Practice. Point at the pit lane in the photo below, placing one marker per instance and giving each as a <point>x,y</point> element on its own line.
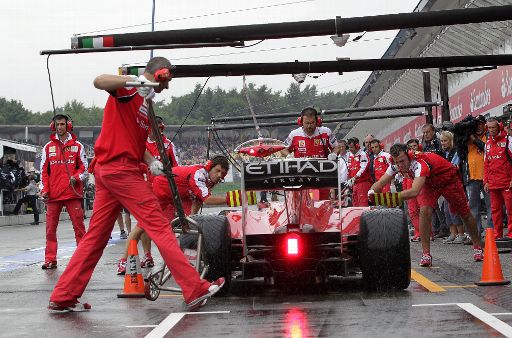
<point>252,308</point>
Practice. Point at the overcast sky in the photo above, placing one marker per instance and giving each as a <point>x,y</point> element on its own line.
<point>29,26</point>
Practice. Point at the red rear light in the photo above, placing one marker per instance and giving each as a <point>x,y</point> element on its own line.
<point>292,245</point>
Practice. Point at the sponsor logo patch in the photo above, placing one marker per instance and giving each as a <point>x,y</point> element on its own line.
<point>51,149</point>
<point>302,143</point>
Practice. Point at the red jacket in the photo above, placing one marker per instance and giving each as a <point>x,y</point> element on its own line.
<point>497,167</point>
<point>153,150</point>
<point>381,163</point>
<point>438,171</point>
<point>358,167</point>
<point>193,182</point>
<point>60,161</point>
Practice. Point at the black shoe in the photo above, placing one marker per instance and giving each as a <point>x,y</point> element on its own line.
<point>34,223</point>
<point>49,265</point>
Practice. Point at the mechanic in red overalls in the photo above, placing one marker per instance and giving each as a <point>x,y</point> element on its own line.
<point>358,173</point>
<point>498,175</point>
<point>312,140</point>
<point>119,182</point>
<point>381,162</point>
<point>433,176</point>
<point>194,185</point>
<point>63,170</point>
<point>137,233</point>
<point>413,208</point>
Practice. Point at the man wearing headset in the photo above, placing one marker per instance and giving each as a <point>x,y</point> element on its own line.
<point>433,176</point>
<point>119,150</point>
<point>63,171</point>
<point>311,139</point>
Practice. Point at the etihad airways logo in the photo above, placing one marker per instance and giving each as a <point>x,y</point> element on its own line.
<point>292,167</point>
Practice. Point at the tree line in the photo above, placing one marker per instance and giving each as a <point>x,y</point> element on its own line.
<point>212,102</point>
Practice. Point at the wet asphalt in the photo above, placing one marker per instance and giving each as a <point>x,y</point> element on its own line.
<point>443,301</point>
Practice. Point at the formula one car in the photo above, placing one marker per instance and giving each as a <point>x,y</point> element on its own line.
<point>302,238</point>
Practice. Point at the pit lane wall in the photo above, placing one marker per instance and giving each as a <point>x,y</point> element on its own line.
<point>485,95</point>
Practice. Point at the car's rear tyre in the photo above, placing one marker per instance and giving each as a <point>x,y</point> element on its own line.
<point>385,251</point>
<point>216,247</point>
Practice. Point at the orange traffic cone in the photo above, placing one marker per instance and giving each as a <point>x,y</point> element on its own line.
<point>133,281</point>
<point>491,270</point>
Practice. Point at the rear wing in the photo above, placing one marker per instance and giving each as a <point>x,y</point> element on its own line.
<point>296,173</point>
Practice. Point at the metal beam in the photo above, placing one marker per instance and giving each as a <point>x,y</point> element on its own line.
<point>144,47</point>
<point>342,119</point>
<point>328,112</point>
<point>340,66</point>
<point>301,28</point>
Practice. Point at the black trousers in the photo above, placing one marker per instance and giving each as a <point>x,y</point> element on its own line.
<point>32,201</point>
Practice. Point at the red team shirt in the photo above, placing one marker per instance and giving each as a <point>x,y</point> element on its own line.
<point>153,150</point>
<point>441,179</point>
<point>125,126</point>
<point>193,183</point>
<point>60,160</point>
<point>381,162</point>
<point>320,144</point>
<point>169,146</point>
<point>358,166</point>
<point>438,171</point>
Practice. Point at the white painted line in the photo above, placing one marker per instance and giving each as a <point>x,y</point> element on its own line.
<point>488,319</point>
<point>502,314</point>
<point>135,326</point>
<point>168,323</point>
<point>442,304</point>
<point>205,313</point>
<point>480,314</point>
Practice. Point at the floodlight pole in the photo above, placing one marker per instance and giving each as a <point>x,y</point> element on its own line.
<point>427,95</point>
<point>152,26</point>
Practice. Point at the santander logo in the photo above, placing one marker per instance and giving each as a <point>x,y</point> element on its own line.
<point>456,111</point>
<point>506,83</point>
<point>480,99</point>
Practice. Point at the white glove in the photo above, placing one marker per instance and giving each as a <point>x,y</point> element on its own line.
<point>371,192</point>
<point>351,181</point>
<point>146,92</point>
<point>332,157</point>
<point>156,168</point>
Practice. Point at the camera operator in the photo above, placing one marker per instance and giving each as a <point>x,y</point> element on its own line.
<point>470,142</point>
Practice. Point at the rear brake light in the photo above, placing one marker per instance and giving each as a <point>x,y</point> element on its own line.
<point>292,245</point>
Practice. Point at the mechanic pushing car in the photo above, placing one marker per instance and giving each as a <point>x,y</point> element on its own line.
<point>312,140</point>
<point>433,176</point>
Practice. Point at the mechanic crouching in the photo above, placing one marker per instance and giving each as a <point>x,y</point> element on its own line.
<point>433,176</point>
<point>498,174</point>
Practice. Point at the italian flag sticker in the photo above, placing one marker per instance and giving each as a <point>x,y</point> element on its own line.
<point>100,42</point>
